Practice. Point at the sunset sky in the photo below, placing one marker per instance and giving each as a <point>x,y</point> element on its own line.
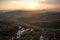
<point>29,4</point>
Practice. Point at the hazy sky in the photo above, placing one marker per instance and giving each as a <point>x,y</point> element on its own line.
<point>29,4</point>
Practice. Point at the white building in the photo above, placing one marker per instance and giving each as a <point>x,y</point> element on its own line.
<point>41,37</point>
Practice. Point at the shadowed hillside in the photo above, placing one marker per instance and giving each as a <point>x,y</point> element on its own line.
<point>47,19</point>
<point>44,19</point>
<point>46,23</point>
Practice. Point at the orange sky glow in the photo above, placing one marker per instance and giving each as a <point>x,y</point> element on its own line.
<point>26,5</point>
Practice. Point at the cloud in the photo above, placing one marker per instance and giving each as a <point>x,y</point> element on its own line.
<point>47,1</point>
<point>54,1</point>
<point>20,3</point>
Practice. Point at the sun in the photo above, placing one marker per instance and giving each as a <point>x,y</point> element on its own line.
<point>31,5</point>
<point>43,0</point>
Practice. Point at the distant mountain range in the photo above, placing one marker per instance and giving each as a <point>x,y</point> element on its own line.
<point>45,19</point>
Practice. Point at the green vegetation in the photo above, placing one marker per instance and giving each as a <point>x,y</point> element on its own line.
<point>46,32</point>
<point>47,24</point>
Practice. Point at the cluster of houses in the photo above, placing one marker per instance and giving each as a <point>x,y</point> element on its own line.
<point>17,35</point>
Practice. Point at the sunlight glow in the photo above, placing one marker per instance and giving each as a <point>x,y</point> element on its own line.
<point>43,0</point>
<point>32,5</point>
<point>27,5</point>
